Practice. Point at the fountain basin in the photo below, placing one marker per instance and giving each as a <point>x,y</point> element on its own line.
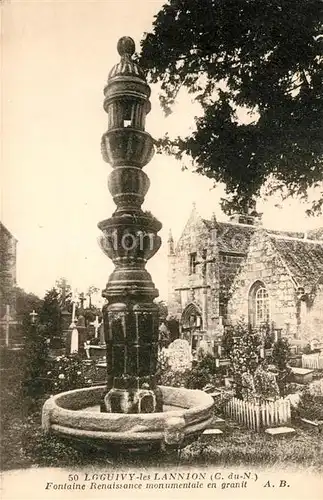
<point>75,414</point>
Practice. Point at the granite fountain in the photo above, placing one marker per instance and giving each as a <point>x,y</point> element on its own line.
<point>131,410</point>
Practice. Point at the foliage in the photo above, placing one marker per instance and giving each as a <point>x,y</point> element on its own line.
<point>310,406</point>
<point>173,327</point>
<point>64,291</point>
<point>252,59</point>
<point>90,314</point>
<point>202,373</point>
<point>90,292</point>
<point>242,348</point>
<point>266,386</point>
<point>308,350</point>
<point>50,315</point>
<point>265,331</point>
<point>66,373</point>
<point>281,353</point>
<point>26,303</point>
<point>162,310</point>
<point>36,360</point>
<point>163,336</point>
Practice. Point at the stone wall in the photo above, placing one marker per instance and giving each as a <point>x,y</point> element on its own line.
<point>263,264</point>
<point>8,250</point>
<point>201,287</point>
<point>311,321</point>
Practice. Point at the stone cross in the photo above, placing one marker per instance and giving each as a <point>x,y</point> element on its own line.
<point>96,325</point>
<point>7,321</point>
<point>33,316</point>
<point>63,285</point>
<point>179,355</point>
<point>82,299</point>
<point>74,301</point>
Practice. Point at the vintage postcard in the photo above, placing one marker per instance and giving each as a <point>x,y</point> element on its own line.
<point>161,235</point>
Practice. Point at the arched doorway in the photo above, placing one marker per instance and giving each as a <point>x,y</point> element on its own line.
<point>192,325</point>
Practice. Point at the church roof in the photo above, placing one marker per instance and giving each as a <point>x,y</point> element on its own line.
<point>6,230</point>
<point>303,258</point>
<point>301,252</point>
<point>232,237</point>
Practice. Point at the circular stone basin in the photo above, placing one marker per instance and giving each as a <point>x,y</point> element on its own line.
<point>76,414</point>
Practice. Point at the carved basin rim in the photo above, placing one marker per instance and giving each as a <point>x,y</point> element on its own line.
<point>69,413</point>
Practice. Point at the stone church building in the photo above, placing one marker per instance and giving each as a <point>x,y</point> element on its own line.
<point>8,269</point>
<point>220,272</point>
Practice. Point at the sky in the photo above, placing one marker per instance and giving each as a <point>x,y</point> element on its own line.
<point>56,56</point>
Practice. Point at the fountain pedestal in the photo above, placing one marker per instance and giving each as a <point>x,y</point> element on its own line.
<point>134,410</point>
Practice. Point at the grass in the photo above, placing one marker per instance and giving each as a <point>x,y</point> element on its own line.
<point>24,445</point>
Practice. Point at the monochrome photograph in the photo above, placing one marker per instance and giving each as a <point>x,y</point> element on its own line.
<point>161,236</point>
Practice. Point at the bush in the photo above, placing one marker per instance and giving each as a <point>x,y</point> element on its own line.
<point>265,384</point>
<point>242,346</point>
<point>281,353</point>
<point>310,406</point>
<point>66,373</point>
<point>203,372</point>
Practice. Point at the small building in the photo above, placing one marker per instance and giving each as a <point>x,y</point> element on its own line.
<point>8,282</point>
<point>8,269</point>
<point>220,272</point>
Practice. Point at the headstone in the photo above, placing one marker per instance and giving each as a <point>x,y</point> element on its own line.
<point>204,347</point>
<point>217,423</point>
<point>302,375</point>
<point>210,434</point>
<point>314,343</point>
<point>81,321</point>
<point>74,341</point>
<point>179,355</point>
<point>101,334</point>
<point>280,432</point>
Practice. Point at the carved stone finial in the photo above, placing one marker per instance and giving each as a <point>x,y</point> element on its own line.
<point>126,46</point>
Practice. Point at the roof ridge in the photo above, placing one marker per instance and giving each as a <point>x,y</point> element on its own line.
<point>293,238</point>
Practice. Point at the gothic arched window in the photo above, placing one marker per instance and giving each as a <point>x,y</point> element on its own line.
<point>259,308</point>
<point>262,306</point>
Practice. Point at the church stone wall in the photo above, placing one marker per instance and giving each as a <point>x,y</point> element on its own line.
<point>311,321</point>
<point>201,287</point>
<point>264,264</point>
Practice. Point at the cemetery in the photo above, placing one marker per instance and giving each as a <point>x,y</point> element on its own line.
<point>94,387</point>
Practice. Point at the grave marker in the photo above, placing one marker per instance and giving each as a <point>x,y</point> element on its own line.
<point>179,355</point>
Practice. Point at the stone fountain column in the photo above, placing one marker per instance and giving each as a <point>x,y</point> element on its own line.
<point>129,238</point>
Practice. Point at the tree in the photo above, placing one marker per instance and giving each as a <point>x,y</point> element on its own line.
<point>260,57</point>
<point>50,315</point>
<point>36,356</point>
<point>64,294</point>
<point>162,310</point>
<point>91,291</point>
<point>26,303</point>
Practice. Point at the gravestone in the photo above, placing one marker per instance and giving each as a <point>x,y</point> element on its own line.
<point>210,435</point>
<point>302,375</point>
<point>277,432</point>
<point>204,347</point>
<point>74,341</point>
<point>314,344</point>
<point>179,355</point>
